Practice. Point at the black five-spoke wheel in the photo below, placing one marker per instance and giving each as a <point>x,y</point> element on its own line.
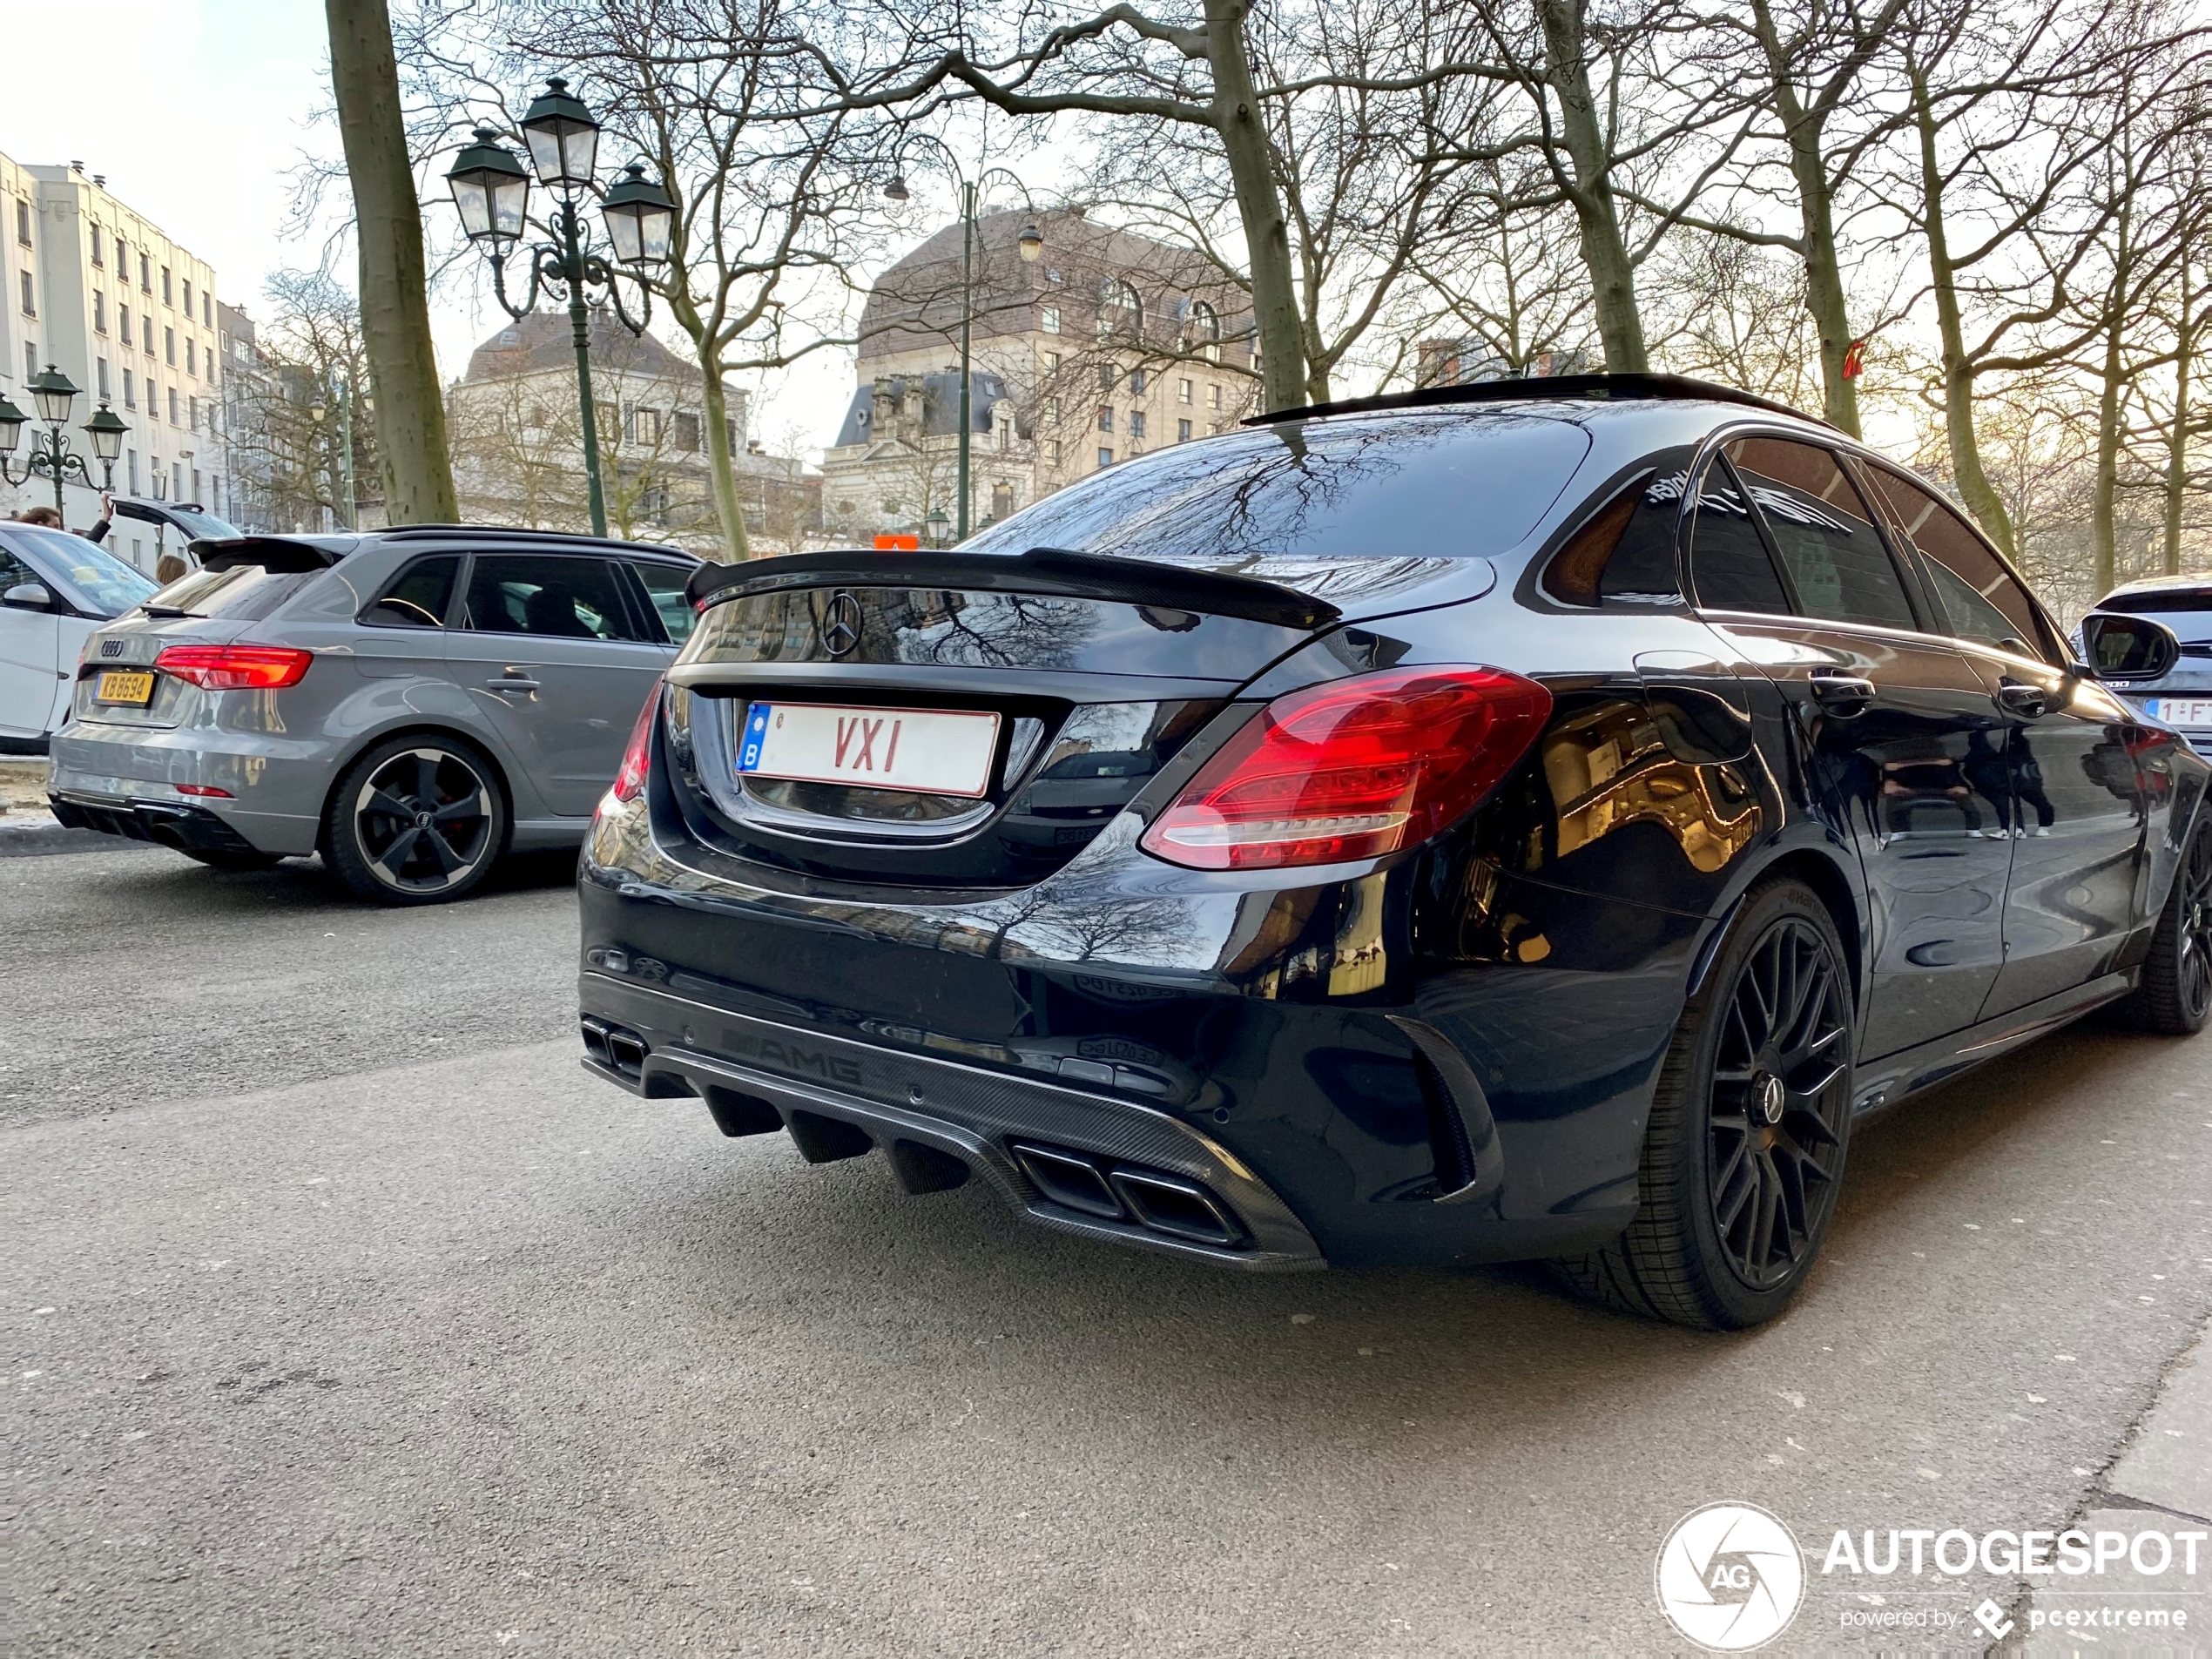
<point>2174,995</point>
<point>414,822</point>
<point>1775,1144</point>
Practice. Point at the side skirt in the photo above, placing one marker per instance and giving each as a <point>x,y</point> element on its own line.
<point>1889,1081</point>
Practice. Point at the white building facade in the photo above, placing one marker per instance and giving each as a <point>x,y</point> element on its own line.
<point>93,288</point>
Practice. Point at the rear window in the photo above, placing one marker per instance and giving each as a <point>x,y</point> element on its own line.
<point>1448,484</point>
<point>2166,603</point>
<point>244,591</point>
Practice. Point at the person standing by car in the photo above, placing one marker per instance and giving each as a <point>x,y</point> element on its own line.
<point>49,518</point>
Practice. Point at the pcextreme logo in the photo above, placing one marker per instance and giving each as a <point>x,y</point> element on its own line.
<point>1729,1577</point>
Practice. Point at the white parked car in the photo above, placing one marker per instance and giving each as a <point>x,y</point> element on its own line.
<point>55,589</point>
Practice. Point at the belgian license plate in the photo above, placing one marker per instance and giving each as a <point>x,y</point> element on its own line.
<point>2185,711</point>
<point>131,686</point>
<point>929,752</point>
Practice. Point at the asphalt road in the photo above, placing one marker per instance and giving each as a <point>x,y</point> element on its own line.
<point>326,1336</point>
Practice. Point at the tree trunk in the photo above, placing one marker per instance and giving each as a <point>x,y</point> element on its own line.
<point>1824,298</point>
<point>1605,254</point>
<point>1974,488</point>
<point>2177,440</point>
<point>1259,206</point>
<point>2103,508</point>
<point>714,414</point>
<point>416,463</point>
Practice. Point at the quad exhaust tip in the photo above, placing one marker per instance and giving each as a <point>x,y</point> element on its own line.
<point>1152,1199</point>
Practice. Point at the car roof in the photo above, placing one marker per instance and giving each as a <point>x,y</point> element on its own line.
<point>2200,583</point>
<point>496,535</point>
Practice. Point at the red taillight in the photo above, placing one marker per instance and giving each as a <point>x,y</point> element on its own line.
<point>637,760</point>
<point>236,668</point>
<point>1352,770</point>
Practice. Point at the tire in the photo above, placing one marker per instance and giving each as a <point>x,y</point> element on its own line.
<point>416,820</point>
<point>1749,1127</point>
<point>2174,993</point>
<point>228,859</point>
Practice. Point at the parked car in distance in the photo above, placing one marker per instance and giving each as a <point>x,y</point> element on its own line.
<point>410,703</point>
<point>56,589</point>
<point>2182,696</point>
<point>1525,821</point>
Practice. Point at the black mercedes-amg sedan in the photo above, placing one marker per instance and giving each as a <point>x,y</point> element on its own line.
<point>1532,820</point>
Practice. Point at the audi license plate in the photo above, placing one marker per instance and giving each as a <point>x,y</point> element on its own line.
<point>930,752</point>
<point>133,687</point>
<point>2184,710</point>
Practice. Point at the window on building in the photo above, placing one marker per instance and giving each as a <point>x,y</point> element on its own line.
<point>1109,376</point>
<point>1137,423</point>
<point>169,346</point>
<point>99,245</point>
<point>129,390</point>
<point>146,332</point>
<point>1052,452</point>
<point>99,377</point>
<point>131,457</point>
<point>176,408</point>
<point>1052,410</point>
<point>1121,314</point>
<point>1105,418</point>
<point>188,296</point>
<point>730,434</point>
<point>642,425</point>
<point>145,274</point>
<point>29,299</point>
<point>1202,332</point>
<point>1136,382</point>
<point>1049,320</point>
<point>1002,500</point>
<point>22,223</point>
<point>168,289</point>
<point>1052,362</point>
<point>192,357</point>
<point>686,434</point>
<point>192,406</point>
<point>1105,456</point>
<point>207,309</point>
<point>100,312</point>
<point>1213,397</point>
<point>123,258</point>
<point>1183,392</point>
<point>30,358</point>
<point>1183,431</point>
<point>123,324</point>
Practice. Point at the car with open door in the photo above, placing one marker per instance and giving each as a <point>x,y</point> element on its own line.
<point>1526,820</point>
<point>410,704</point>
<point>56,589</point>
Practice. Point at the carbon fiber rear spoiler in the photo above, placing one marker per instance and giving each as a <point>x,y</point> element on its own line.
<point>280,553</point>
<point>1041,570</point>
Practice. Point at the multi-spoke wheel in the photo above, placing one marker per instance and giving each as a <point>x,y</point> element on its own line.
<point>2175,992</point>
<point>415,821</point>
<point>1744,1152</point>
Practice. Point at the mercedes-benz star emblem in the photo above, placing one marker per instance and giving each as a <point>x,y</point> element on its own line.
<point>840,625</point>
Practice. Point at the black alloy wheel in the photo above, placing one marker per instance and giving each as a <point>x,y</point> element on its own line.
<point>1775,1132</point>
<point>2174,994</point>
<point>1750,1125</point>
<point>415,821</point>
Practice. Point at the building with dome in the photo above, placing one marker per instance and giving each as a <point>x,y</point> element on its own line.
<point>1109,345</point>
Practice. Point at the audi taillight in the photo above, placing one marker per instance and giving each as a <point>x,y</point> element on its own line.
<point>637,760</point>
<point>236,668</point>
<point>1352,770</point>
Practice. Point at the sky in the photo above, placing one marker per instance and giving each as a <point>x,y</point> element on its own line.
<point>222,105</point>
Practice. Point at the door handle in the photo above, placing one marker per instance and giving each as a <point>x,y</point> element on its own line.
<point>513,683</point>
<point>2029,702</point>
<point>1844,694</point>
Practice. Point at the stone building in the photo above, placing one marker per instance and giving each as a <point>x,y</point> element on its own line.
<point>1109,345</point>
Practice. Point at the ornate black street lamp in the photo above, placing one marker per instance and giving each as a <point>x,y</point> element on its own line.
<point>492,191</point>
<point>1029,245</point>
<point>51,395</point>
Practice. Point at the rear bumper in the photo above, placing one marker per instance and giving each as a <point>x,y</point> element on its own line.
<point>275,786</point>
<point>1068,1160</point>
<point>188,829</point>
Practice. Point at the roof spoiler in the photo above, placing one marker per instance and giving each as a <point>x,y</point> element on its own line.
<point>278,553</point>
<point>1543,388</point>
<point>1041,570</point>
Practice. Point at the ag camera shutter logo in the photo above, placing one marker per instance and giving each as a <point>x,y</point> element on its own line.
<point>1729,1577</point>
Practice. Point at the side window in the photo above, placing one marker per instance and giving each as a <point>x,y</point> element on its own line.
<point>1824,532</point>
<point>1980,600</point>
<point>1728,566</point>
<point>14,572</point>
<point>419,598</point>
<point>665,587</point>
<point>548,594</point>
<point>1623,554</point>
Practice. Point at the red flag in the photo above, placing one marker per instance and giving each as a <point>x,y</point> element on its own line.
<point>1854,360</point>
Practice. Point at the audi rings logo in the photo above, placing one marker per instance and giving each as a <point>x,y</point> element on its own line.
<point>840,623</point>
<point>1729,1577</point>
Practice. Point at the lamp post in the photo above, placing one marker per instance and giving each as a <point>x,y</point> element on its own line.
<point>492,192</point>
<point>936,523</point>
<point>342,389</point>
<point>51,394</point>
<point>1029,245</point>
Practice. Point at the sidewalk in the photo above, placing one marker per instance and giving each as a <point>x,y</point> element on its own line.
<point>2161,1481</point>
